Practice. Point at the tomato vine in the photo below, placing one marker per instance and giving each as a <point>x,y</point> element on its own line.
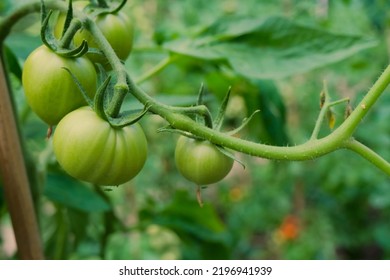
<point>340,138</point>
<point>182,118</point>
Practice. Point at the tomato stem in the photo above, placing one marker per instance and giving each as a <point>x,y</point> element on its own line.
<point>120,88</point>
<point>156,69</point>
<point>67,39</point>
<point>325,105</point>
<point>368,154</point>
<point>199,196</point>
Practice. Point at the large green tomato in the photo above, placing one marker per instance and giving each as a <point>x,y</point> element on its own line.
<point>200,161</point>
<point>117,28</point>
<point>50,90</point>
<point>91,150</point>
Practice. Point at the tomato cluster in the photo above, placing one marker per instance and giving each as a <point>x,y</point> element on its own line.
<point>87,146</point>
<point>117,28</point>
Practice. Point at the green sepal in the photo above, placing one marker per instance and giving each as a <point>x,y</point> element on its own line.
<point>102,4</point>
<point>95,51</point>
<point>69,17</point>
<point>221,112</point>
<point>115,10</point>
<point>102,8</point>
<point>80,87</point>
<point>47,34</point>
<point>119,7</point>
<point>244,123</point>
<point>170,129</point>
<point>50,41</point>
<point>230,155</point>
<point>102,74</point>
<point>98,102</point>
<point>199,100</point>
<point>129,118</point>
<point>76,52</point>
<point>43,11</point>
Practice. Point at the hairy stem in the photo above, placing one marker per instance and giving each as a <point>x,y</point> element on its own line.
<point>66,40</point>
<point>311,149</point>
<point>368,154</point>
<point>8,22</point>
<point>120,88</point>
<point>322,114</point>
<point>156,69</point>
<point>349,126</point>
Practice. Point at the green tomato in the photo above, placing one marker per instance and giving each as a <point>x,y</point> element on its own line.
<point>50,90</point>
<point>90,149</point>
<point>200,161</point>
<point>117,28</point>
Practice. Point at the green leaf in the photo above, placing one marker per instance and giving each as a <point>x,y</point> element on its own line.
<point>268,48</point>
<point>22,44</point>
<point>272,116</point>
<point>12,62</point>
<point>5,5</point>
<point>192,219</point>
<point>194,225</point>
<point>221,112</point>
<point>78,221</point>
<point>69,192</point>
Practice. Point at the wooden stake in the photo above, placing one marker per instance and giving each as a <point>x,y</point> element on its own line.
<point>15,182</point>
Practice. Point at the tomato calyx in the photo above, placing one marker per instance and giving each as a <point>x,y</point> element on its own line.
<point>62,46</point>
<point>104,8</point>
<point>125,118</point>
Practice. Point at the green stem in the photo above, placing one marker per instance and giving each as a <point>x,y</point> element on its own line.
<point>350,124</point>
<point>368,154</point>
<point>102,4</point>
<point>120,88</point>
<point>199,110</point>
<point>156,69</point>
<point>66,40</point>
<point>327,105</point>
<point>8,22</point>
<point>311,149</point>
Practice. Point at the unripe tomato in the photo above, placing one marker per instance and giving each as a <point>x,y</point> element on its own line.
<point>50,90</point>
<point>90,149</point>
<point>117,28</point>
<point>200,161</point>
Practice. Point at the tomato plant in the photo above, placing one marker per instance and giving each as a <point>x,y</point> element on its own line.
<point>50,91</point>
<point>116,27</point>
<point>250,52</point>
<point>200,161</point>
<point>89,149</point>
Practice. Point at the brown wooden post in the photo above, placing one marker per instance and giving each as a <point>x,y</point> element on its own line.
<point>15,181</point>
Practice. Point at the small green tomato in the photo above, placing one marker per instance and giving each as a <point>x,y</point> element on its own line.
<point>200,161</point>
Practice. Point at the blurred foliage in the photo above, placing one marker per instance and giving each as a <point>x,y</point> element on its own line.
<point>335,207</point>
